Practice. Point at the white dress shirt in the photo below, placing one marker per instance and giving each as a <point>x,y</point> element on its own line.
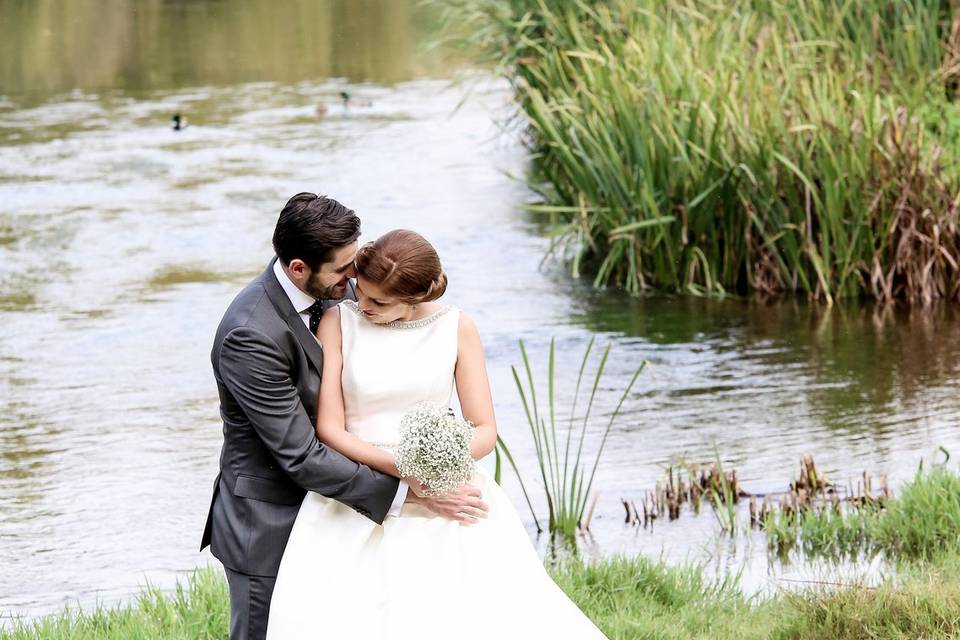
<point>301,302</point>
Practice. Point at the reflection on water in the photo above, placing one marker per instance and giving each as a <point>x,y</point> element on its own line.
<point>49,46</point>
<point>122,242</point>
<point>856,357</point>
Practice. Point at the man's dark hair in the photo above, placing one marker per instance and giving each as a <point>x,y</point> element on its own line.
<point>311,227</point>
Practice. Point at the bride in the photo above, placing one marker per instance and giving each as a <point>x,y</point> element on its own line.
<point>418,576</point>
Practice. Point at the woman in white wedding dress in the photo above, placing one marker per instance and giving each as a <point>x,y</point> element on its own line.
<point>419,576</point>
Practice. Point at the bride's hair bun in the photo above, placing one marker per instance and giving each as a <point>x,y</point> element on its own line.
<point>436,288</point>
<point>404,265</point>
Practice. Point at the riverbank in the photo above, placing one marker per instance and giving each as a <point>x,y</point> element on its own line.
<point>639,598</point>
<point>636,597</point>
<point>755,147</point>
<point>629,598</point>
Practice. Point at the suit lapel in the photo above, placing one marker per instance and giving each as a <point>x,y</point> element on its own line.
<point>282,303</point>
<point>351,291</point>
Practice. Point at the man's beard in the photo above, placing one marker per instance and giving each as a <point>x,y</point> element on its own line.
<point>320,291</point>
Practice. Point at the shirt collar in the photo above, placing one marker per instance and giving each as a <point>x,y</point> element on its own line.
<point>300,300</point>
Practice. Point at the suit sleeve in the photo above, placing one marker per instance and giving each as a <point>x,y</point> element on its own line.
<point>256,372</point>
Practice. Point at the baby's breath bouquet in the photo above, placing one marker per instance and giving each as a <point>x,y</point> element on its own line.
<point>435,448</point>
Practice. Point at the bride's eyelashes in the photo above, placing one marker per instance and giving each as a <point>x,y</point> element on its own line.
<point>375,302</point>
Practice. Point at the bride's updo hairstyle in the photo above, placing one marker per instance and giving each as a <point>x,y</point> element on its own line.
<point>404,265</point>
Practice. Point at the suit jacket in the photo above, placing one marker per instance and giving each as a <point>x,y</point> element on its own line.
<point>267,366</point>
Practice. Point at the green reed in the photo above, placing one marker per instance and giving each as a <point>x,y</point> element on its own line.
<point>922,523</point>
<point>819,532</point>
<point>723,498</point>
<point>710,147</point>
<point>566,473</point>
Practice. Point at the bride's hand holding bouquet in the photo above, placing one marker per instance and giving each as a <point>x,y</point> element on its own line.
<point>435,460</point>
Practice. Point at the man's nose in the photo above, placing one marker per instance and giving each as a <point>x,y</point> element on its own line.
<point>351,272</point>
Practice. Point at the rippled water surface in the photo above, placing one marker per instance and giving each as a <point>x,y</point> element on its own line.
<point>122,242</point>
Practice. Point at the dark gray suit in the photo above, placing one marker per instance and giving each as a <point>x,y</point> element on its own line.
<point>267,366</point>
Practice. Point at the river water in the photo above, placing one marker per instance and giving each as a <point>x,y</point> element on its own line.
<point>122,242</point>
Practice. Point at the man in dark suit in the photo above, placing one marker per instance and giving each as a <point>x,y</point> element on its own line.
<point>267,364</point>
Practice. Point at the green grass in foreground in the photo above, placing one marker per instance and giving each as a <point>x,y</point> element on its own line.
<point>196,610</point>
<point>630,599</point>
<point>640,599</point>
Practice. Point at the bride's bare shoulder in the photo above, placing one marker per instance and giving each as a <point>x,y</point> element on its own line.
<point>329,330</point>
<point>468,333</point>
<point>331,315</point>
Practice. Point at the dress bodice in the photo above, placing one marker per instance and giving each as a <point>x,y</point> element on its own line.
<point>388,369</point>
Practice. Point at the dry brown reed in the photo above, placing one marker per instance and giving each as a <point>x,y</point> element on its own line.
<point>812,491</point>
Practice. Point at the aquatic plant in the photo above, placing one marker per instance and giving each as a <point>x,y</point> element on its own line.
<point>922,523</point>
<point>724,496</point>
<point>818,516</point>
<point>765,146</point>
<point>721,488</point>
<point>566,475</point>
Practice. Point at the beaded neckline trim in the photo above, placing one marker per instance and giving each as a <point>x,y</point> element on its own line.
<point>399,324</point>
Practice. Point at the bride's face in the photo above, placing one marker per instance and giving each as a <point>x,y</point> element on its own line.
<point>378,307</point>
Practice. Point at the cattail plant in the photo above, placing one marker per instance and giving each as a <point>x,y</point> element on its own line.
<point>762,146</point>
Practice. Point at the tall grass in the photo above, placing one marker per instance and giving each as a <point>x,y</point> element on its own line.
<point>633,599</point>
<point>567,477</point>
<point>922,603</point>
<point>197,609</point>
<point>763,145</point>
<point>923,523</point>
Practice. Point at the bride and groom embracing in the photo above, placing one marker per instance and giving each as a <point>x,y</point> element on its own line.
<point>316,362</point>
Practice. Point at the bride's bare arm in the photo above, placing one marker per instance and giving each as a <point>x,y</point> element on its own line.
<point>473,389</point>
<point>330,419</point>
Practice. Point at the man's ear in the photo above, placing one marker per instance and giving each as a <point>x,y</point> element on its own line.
<point>298,270</point>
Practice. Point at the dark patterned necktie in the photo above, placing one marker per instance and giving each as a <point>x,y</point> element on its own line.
<point>315,310</point>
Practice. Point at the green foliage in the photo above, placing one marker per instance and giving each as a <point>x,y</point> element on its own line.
<point>636,598</point>
<point>923,523</point>
<point>197,610</point>
<point>640,598</point>
<point>628,598</point>
<point>820,532</point>
<point>567,480</point>
<point>764,145</point>
<point>925,605</point>
<point>723,499</point>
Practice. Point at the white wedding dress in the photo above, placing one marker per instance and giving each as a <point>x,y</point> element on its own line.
<point>419,576</point>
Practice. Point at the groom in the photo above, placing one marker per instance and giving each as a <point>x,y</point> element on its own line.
<point>267,365</point>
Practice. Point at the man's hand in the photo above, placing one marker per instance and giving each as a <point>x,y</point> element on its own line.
<point>465,505</point>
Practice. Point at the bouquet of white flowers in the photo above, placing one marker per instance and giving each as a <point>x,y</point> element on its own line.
<point>435,448</point>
